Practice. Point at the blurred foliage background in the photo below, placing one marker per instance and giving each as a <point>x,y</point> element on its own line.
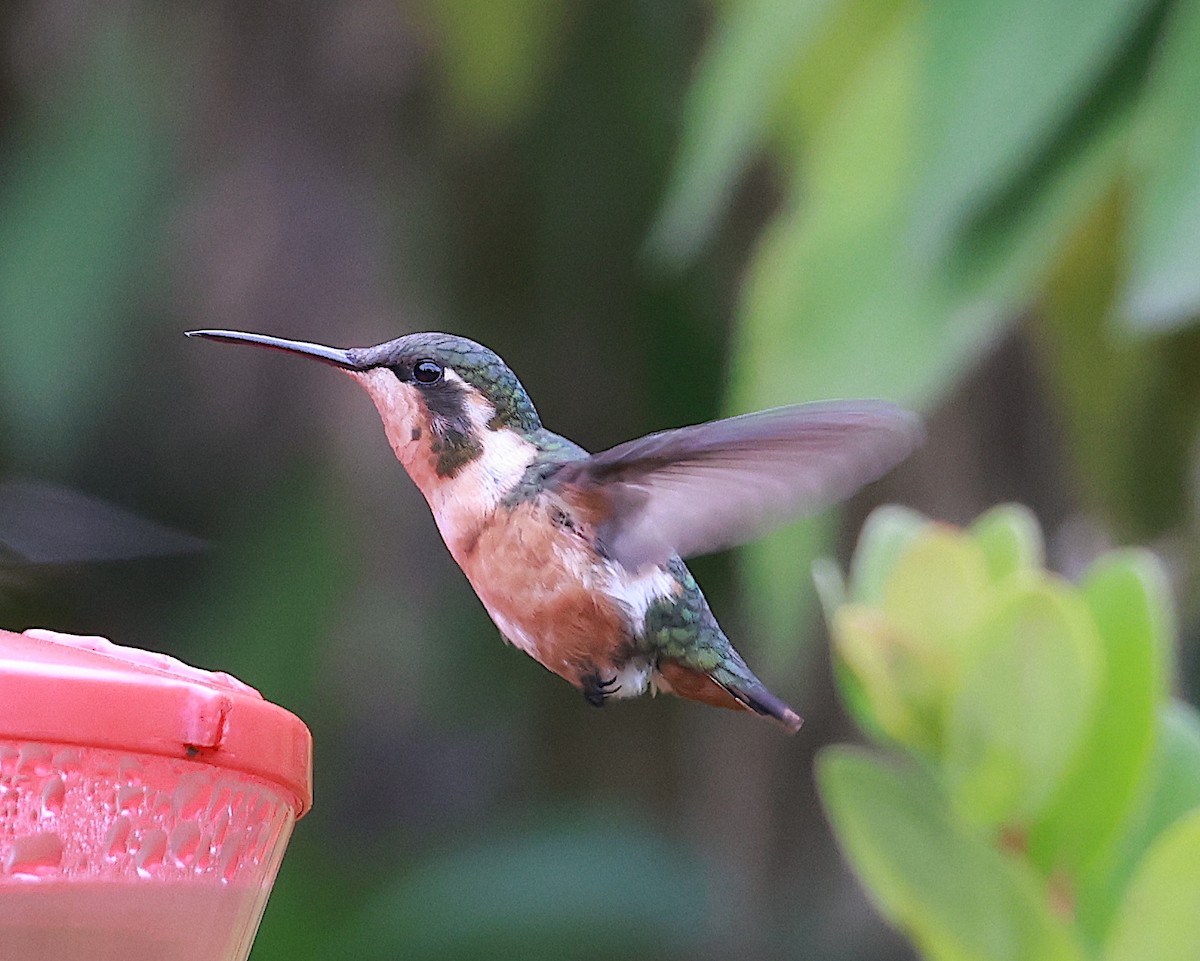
<point>657,212</point>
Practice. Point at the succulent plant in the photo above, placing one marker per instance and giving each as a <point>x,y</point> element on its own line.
<point>1034,792</point>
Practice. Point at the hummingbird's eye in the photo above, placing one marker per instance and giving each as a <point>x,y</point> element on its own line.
<point>427,372</point>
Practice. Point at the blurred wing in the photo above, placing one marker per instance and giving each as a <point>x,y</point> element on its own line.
<point>42,523</point>
<point>705,488</point>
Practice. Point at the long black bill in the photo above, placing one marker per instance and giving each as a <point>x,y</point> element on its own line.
<point>329,355</point>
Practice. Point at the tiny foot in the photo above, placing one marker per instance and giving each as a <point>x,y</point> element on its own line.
<point>596,690</point>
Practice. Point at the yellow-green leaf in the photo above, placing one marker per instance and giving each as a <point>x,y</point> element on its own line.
<point>1024,704</point>
<point>1011,540</point>
<point>1159,919</point>
<point>1129,600</point>
<point>1162,289</point>
<point>884,537</point>
<point>947,888</point>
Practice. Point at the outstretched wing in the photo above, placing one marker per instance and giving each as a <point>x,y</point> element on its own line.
<point>704,488</point>
<point>44,523</point>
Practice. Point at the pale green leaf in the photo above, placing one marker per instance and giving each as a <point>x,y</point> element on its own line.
<point>900,661</point>
<point>887,679</point>
<point>1011,540</point>
<point>885,535</point>
<point>936,594</point>
<point>1024,704</point>
<point>1159,919</point>
<point>948,889</point>
<point>1162,287</point>
<point>1176,780</point>
<point>1170,790</point>
<point>1129,600</point>
<point>1002,82</point>
<point>738,81</point>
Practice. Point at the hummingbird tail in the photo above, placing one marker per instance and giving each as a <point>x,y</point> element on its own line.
<point>736,694</point>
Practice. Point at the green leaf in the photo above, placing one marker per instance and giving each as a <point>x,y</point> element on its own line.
<point>1011,540</point>
<point>1082,164</point>
<point>1159,919</point>
<point>951,892</point>
<point>1170,790</point>
<point>894,686</point>
<point>1162,286</point>
<point>900,662</point>
<point>740,78</point>
<point>1103,381</point>
<point>861,670</point>
<point>827,269</point>
<point>587,890</point>
<point>1002,83</point>
<point>1024,703</point>
<point>1176,782</point>
<point>834,54</point>
<point>1129,599</point>
<point>862,680</point>
<point>830,584</point>
<point>885,535</point>
<point>935,595</point>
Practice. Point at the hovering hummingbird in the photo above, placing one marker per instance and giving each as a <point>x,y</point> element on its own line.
<point>577,557</point>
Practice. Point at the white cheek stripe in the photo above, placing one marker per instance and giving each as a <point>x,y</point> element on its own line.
<point>458,503</point>
<point>461,502</point>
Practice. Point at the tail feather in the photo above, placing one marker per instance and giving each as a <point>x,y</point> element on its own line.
<point>728,692</point>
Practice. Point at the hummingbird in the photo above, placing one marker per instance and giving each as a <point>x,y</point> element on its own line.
<point>578,557</point>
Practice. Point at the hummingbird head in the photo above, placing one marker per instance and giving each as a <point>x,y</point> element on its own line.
<point>453,378</point>
<point>444,400</point>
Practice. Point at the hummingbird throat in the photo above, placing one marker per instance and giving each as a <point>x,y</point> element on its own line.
<point>429,432</point>
<point>451,445</point>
